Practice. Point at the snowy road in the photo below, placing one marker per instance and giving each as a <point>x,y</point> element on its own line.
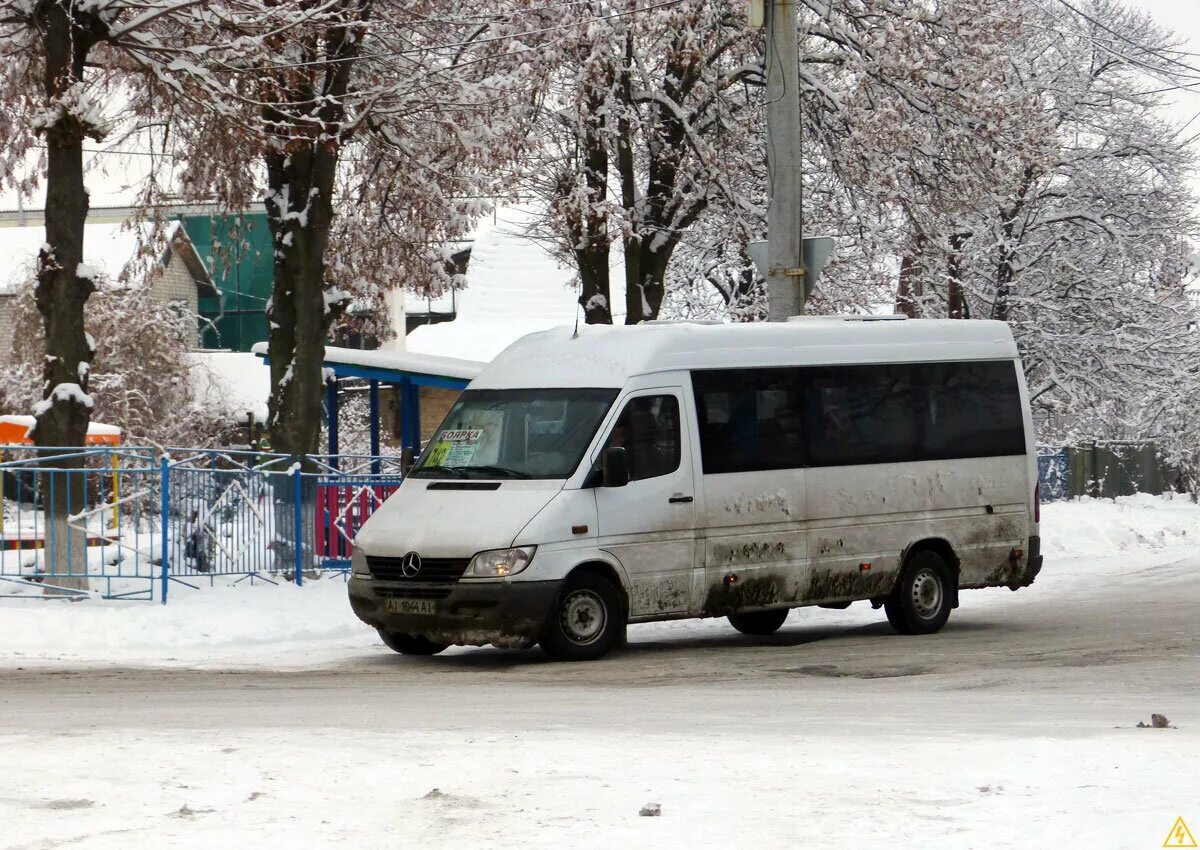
<point>1012,728</point>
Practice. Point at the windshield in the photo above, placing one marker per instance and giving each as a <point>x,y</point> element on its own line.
<point>515,434</point>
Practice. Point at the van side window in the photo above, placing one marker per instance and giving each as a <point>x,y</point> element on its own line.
<point>971,409</point>
<point>862,414</point>
<point>750,419</point>
<point>788,417</point>
<point>896,413</point>
<point>648,428</point>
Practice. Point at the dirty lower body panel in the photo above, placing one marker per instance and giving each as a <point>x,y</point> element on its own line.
<point>1014,571</point>
<point>469,614</point>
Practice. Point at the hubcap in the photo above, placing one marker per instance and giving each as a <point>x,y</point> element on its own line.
<point>583,616</point>
<point>927,594</point>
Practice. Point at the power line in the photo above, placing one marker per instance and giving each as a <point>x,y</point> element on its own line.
<point>1151,50</point>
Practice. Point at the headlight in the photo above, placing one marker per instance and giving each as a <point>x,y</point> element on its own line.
<point>358,564</point>
<point>500,562</point>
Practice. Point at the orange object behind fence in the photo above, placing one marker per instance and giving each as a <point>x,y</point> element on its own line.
<point>15,430</point>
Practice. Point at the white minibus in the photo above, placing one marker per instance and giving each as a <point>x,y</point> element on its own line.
<point>602,476</point>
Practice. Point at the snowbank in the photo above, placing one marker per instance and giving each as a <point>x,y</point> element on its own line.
<point>237,625</point>
<point>223,625</point>
<point>1101,527</point>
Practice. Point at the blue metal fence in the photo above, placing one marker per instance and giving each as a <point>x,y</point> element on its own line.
<point>123,523</point>
<point>76,521</point>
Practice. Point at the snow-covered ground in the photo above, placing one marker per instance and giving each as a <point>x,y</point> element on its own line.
<point>266,717</point>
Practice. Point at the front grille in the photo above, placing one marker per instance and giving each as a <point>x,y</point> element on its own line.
<point>435,571</point>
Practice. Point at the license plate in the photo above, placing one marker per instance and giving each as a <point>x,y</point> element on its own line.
<point>410,606</point>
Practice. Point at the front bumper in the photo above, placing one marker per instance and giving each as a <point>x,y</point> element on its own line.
<point>475,613</point>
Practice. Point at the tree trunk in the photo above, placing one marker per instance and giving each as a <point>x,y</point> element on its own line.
<point>298,316</point>
<point>307,128</point>
<point>61,292</point>
<point>591,245</point>
<point>662,216</point>
<point>911,286</point>
<point>300,214</point>
<point>1004,281</point>
<point>646,285</point>
<point>956,295</point>
<point>1006,260</point>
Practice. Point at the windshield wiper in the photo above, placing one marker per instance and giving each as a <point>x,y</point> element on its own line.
<point>457,470</point>
<point>499,471</point>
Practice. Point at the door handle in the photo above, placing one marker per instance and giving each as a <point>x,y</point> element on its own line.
<point>680,499</point>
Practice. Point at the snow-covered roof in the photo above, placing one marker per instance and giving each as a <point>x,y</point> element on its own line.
<point>232,383</point>
<point>607,355</point>
<point>407,362</point>
<point>402,361</point>
<point>107,246</point>
<point>513,288</point>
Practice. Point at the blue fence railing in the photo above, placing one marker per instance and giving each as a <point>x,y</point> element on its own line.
<point>127,524</point>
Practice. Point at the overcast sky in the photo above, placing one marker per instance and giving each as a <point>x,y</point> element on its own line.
<point>1183,16</point>
<point>109,186</point>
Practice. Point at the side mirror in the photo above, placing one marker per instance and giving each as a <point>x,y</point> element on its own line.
<point>614,466</point>
<point>407,460</point>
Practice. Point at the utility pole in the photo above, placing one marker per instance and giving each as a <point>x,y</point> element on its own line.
<point>785,270</point>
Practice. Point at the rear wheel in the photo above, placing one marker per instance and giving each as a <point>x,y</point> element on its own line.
<point>759,622</point>
<point>587,620</point>
<point>410,644</point>
<point>921,601</point>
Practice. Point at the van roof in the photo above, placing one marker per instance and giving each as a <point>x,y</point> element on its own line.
<point>607,356</point>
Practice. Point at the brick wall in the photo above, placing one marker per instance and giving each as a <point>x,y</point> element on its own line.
<point>8,303</point>
<point>175,284</point>
<point>435,404</point>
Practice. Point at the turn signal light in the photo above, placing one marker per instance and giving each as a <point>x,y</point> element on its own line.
<point>864,566</point>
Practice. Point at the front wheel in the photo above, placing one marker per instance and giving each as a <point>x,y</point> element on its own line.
<point>410,644</point>
<point>759,622</point>
<point>920,603</point>
<point>587,619</point>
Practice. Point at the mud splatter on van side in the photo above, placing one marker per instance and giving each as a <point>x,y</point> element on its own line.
<point>758,592</point>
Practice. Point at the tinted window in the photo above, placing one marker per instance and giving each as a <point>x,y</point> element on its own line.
<point>970,409</point>
<point>861,414</point>
<point>648,428</point>
<point>752,419</point>
<point>911,412</point>
<point>749,419</point>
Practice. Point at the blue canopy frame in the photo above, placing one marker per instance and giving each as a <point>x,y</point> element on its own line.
<point>408,382</point>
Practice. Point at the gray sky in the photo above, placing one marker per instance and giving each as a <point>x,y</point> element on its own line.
<point>1182,16</point>
<point>109,185</point>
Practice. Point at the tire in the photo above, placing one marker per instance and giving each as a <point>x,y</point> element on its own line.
<point>921,601</point>
<point>410,644</point>
<point>759,622</point>
<point>587,620</point>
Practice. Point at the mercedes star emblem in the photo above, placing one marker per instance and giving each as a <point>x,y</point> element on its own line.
<point>411,565</point>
